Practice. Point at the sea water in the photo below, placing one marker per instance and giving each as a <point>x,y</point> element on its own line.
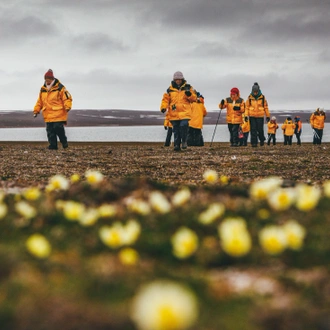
<point>219,133</point>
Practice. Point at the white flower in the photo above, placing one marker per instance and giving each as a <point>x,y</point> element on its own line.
<point>261,189</point>
<point>138,206</point>
<point>164,305</point>
<point>132,231</point>
<point>213,212</point>
<point>107,210</point>
<point>281,198</point>
<point>181,197</point>
<point>295,234</point>
<point>307,197</point>
<point>25,210</point>
<point>72,210</point>
<point>210,176</point>
<point>93,177</point>
<point>58,182</point>
<point>38,246</point>
<point>112,236</point>
<point>159,202</point>
<point>273,239</point>
<point>89,217</point>
<point>3,210</point>
<point>184,242</point>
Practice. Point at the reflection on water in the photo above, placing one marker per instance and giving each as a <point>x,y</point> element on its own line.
<point>135,134</point>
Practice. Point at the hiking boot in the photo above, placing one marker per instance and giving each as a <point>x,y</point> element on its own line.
<point>262,143</point>
<point>177,148</point>
<point>234,145</point>
<point>254,146</point>
<point>65,145</point>
<point>184,145</point>
<point>52,148</point>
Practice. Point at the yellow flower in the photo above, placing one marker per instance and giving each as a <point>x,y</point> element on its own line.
<point>210,176</point>
<point>89,217</point>
<point>58,182</point>
<point>32,194</point>
<point>75,178</point>
<point>181,197</point>
<point>73,211</point>
<point>93,177</point>
<point>112,236</point>
<point>295,234</point>
<point>25,210</point>
<point>184,242</point>
<point>235,238</point>
<point>213,212</point>
<point>3,210</point>
<point>38,246</point>
<point>159,202</point>
<point>263,214</point>
<point>273,239</point>
<point>128,256</point>
<point>164,305</point>
<point>138,206</point>
<point>107,211</point>
<point>281,198</point>
<point>307,197</point>
<point>261,189</point>
<point>131,232</point>
<point>224,180</point>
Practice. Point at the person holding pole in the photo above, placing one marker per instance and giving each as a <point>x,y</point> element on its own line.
<point>298,129</point>
<point>317,120</point>
<point>256,108</point>
<point>235,107</point>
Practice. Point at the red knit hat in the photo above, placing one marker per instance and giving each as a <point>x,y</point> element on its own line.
<point>234,90</point>
<point>49,74</point>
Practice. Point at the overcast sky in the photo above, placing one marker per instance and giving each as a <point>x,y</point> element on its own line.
<point>121,54</point>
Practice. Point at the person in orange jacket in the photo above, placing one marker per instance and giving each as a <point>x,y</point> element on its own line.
<point>317,120</point>
<point>198,112</point>
<point>245,127</point>
<point>272,128</point>
<point>169,128</point>
<point>235,107</point>
<point>256,109</point>
<point>177,101</point>
<point>55,102</point>
<point>298,129</point>
<point>288,130</point>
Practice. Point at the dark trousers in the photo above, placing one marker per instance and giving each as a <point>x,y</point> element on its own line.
<point>287,140</point>
<point>180,132</point>
<point>243,141</point>
<point>168,137</point>
<point>233,130</point>
<point>318,133</point>
<point>195,137</point>
<point>55,130</point>
<point>298,137</point>
<point>271,137</point>
<point>257,130</point>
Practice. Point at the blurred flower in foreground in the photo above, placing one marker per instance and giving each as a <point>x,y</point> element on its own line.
<point>58,182</point>
<point>38,246</point>
<point>75,178</point>
<point>25,210</point>
<point>132,231</point>
<point>138,206</point>
<point>93,177</point>
<point>107,210</point>
<point>326,188</point>
<point>307,197</point>
<point>295,234</point>
<point>281,198</point>
<point>263,214</point>
<point>112,236</point>
<point>273,239</point>
<point>210,176</point>
<point>234,236</point>
<point>89,217</point>
<point>224,179</point>
<point>32,194</point>
<point>260,189</point>
<point>213,212</point>
<point>3,210</point>
<point>181,197</point>
<point>184,242</point>
<point>128,256</point>
<point>2,195</point>
<point>159,202</point>
<point>164,305</point>
<point>72,210</point>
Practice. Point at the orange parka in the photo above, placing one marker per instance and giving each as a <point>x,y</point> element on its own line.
<point>235,108</point>
<point>288,128</point>
<point>54,103</point>
<point>272,127</point>
<point>167,122</point>
<point>256,107</point>
<point>245,125</point>
<point>177,103</point>
<point>198,112</point>
<point>317,119</point>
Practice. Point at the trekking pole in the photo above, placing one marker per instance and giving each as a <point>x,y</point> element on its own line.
<point>314,132</point>
<point>215,128</point>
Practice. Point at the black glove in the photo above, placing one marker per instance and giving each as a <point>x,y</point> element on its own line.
<point>188,93</point>
<point>163,110</point>
<point>246,118</point>
<point>222,102</point>
<point>267,119</point>
<point>237,107</point>
<point>165,127</point>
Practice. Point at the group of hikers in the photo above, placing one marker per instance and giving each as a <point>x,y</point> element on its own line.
<point>185,110</point>
<point>184,115</point>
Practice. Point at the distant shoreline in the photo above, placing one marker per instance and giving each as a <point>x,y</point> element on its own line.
<point>116,117</point>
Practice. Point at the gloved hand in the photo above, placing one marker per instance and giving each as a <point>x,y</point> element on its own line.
<point>222,102</point>
<point>246,118</point>
<point>188,93</point>
<point>165,127</point>
<point>163,110</point>
<point>267,119</point>
<point>35,115</point>
<point>237,107</point>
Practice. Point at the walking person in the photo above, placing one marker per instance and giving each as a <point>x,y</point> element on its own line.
<point>288,130</point>
<point>198,112</point>
<point>298,129</point>
<point>235,108</point>
<point>256,109</point>
<point>55,102</point>
<point>317,120</point>
<point>272,128</point>
<point>169,128</point>
<point>177,101</point>
<point>245,126</point>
